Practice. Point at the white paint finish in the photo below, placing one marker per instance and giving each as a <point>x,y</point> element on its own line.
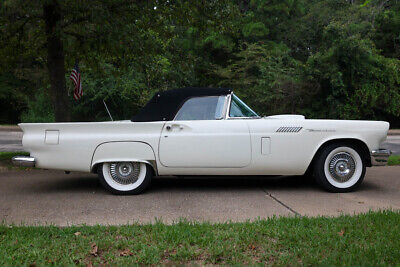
<point>51,137</point>
<point>286,150</point>
<point>123,151</point>
<point>265,145</point>
<point>220,147</point>
<point>291,153</point>
<point>78,141</point>
<point>286,117</point>
<point>205,144</point>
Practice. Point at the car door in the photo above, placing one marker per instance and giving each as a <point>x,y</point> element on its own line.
<point>201,138</point>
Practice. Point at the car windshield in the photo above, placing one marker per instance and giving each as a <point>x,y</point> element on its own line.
<point>202,108</point>
<point>239,109</point>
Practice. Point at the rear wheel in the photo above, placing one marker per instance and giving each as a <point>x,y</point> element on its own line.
<point>339,168</point>
<point>125,178</point>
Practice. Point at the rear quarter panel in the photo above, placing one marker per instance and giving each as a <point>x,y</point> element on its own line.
<point>78,141</point>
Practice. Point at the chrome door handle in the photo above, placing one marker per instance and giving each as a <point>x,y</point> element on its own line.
<point>169,127</point>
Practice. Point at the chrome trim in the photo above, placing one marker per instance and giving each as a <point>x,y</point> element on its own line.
<point>24,161</point>
<point>228,107</point>
<point>342,167</point>
<point>225,108</point>
<point>322,130</point>
<point>289,129</point>
<point>152,163</point>
<point>229,110</point>
<point>380,157</point>
<point>125,172</point>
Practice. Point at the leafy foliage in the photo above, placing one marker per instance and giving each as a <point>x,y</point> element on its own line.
<point>324,59</point>
<point>356,81</point>
<point>13,97</point>
<point>39,108</point>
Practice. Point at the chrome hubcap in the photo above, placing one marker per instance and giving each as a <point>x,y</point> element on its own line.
<point>342,167</point>
<point>125,172</point>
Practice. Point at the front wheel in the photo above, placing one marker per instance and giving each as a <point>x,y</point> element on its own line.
<point>339,168</point>
<point>125,178</point>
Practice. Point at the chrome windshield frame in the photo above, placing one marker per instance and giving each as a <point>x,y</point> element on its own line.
<point>228,105</point>
<point>226,109</point>
<point>227,117</point>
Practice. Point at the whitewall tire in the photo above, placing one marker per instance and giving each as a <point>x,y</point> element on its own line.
<point>339,168</point>
<point>125,178</point>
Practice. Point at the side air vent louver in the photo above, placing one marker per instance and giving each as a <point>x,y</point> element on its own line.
<point>289,129</point>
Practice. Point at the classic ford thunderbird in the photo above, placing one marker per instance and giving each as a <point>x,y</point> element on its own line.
<point>207,131</point>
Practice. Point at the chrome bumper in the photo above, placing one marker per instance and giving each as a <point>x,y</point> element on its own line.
<point>23,161</point>
<point>380,157</point>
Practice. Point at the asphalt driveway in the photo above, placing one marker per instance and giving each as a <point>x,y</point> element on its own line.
<point>10,139</point>
<point>52,197</point>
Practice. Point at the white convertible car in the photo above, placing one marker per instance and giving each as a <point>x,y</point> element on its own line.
<point>206,131</point>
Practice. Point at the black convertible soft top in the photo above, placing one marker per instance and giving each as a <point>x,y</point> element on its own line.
<point>164,105</point>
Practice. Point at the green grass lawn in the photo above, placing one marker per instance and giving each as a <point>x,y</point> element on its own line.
<point>9,155</point>
<point>367,239</point>
<point>5,160</point>
<point>394,160</point>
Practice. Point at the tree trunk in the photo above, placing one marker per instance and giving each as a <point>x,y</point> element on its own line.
<point>55,61</point>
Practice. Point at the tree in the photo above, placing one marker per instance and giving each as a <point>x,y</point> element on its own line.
<point>65,28</point>
<point>355,81</point>
<point>331,58</point>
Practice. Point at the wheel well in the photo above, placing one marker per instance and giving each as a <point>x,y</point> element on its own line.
<point>362,147</point>
<point>97,165</point>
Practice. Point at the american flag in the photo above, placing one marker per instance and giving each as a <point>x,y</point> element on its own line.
<point>76,79</point>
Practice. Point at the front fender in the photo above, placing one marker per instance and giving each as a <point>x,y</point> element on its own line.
<point>124,151</point>
<point>358,140</point>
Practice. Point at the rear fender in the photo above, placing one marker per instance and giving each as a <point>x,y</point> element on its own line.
<point>123,151</point>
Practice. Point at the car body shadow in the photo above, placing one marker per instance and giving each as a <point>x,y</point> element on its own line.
<point>230,183</point>
<point>91,184</point>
